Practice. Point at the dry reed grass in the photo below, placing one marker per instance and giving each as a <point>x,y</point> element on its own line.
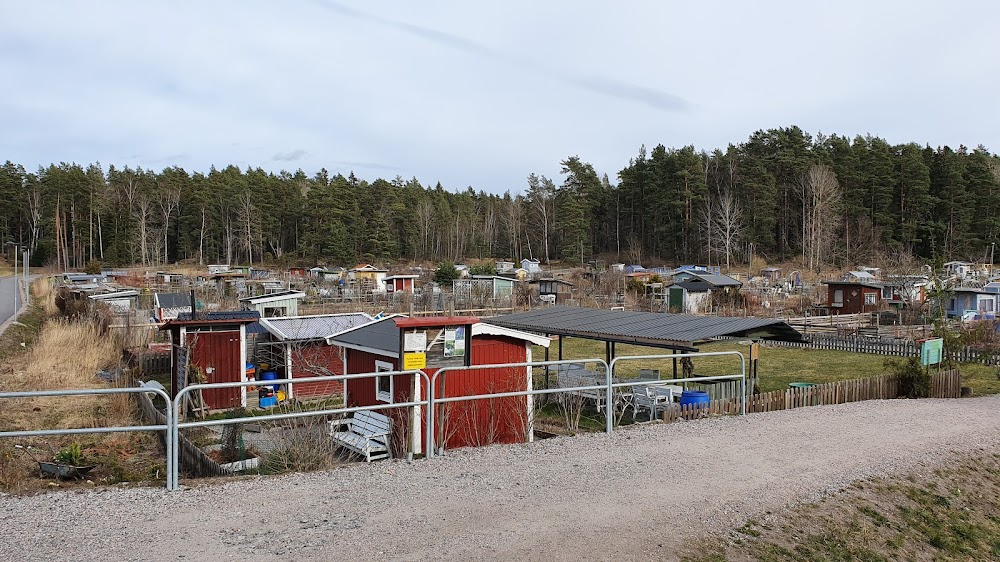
<point>44,295</point>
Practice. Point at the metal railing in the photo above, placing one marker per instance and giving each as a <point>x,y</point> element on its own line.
<point>173,478</point>
<point>742,377</point>
<point>431,402</point>
<point>167,427</point>
<point>531,392</point>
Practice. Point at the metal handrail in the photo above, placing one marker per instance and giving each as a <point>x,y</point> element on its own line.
<point>174,478</point>
<point>167,427</point>
<point>444,400</point>
<point>742,376</point>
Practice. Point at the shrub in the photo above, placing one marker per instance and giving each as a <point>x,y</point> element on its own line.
<point>445,273</point>
<point>483,269</point>
<point>914,381</point>
<point>93,267</point>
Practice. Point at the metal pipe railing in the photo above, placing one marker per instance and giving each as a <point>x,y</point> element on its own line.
<point>530,392</point>
<point>167,427</point>
<point>742,376</point>
<point>178,400</point>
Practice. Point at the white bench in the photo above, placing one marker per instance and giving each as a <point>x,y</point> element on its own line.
<point>367,434</point>
<point>569,376</point>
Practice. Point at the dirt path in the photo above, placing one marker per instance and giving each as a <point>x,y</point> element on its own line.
<point>638,494</point>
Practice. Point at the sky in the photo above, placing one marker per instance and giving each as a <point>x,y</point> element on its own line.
<point>479,94</point>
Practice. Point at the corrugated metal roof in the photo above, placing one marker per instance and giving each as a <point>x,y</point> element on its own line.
<point>719,280</point>
<point>313,327</point>
<point>646,328</point>
<point>379,336</point>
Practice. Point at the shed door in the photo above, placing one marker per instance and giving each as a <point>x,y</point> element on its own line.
<point>218,356</point>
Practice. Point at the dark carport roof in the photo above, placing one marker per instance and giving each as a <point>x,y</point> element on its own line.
<point>645,328</point>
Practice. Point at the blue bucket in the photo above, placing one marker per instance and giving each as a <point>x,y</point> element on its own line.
<point>694,398</point>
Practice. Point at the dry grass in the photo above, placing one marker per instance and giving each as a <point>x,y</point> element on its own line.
<point>63,354</point>
<point>44,295</point>
<point>66,355</point>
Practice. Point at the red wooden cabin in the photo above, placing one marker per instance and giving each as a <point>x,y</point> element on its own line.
<point>445,341</point>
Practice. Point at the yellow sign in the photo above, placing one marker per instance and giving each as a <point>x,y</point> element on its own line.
<point>754,351</point>
<point>412,361</point>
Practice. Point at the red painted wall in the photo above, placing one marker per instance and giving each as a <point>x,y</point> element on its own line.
<point>493,420</point>
<point>219,351</point>
<point>462,424</point>
<point>316,360</point>
<point>854,299</point>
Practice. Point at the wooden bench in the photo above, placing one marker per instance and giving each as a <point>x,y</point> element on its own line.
<point>367,434</point>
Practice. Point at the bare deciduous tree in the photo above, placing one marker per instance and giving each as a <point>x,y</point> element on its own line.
<point>727,225</point>
<point>820,193</point>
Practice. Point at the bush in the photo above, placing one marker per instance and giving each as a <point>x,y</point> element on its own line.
<point>93,267</point>
<point>483,269</point>
<point>445,273</point>
<point>914,381</point>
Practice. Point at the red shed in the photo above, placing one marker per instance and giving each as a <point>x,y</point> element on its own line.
<point>297,345</point>
<point>852,297</point>
<point>217,346</point>
<point>400,283</point>
<point>444,341</point>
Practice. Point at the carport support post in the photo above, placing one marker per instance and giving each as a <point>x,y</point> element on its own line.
<point>607,352</point>
<point>547,367</point>
<point>560,347</point>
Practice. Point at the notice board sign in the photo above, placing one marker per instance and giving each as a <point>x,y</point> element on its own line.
<point>931,351</point>
<point>415,341</point>
<point>413,361</point>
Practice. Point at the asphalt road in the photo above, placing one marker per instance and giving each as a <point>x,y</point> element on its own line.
<point>7,285</point>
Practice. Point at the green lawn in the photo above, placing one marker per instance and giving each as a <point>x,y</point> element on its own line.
<point>777,366</point>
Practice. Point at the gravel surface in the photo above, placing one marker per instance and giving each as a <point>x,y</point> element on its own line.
<point>637,494</point>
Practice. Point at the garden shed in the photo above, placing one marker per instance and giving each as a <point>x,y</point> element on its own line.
<point>166,306</point>
<point>400,283</point>
<point>297,346</point>
<point>430,344</point>
<point>216,347</point>
<point>284,303</point>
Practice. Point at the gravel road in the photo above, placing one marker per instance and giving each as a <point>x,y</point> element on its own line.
<point>638,494</point>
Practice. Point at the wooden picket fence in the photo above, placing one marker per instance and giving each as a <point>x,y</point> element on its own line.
<point>899,348</point>
<point>946,384</point>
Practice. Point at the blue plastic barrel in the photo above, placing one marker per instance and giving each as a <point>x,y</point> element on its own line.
<point>694,398</point>
<point>270,376</point>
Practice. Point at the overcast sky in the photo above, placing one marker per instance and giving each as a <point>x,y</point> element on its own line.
<point>467,93</point>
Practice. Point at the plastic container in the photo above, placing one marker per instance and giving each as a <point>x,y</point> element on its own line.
<point>270,376</point>
<point>694,398</point>
<point>268,402</point>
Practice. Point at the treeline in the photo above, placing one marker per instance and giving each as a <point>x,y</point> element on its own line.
<point>783,192</point>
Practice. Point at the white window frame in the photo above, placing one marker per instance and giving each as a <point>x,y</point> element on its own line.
<point>871,299</point>
<point>887,293</point>
<point>838,297</point>
<point>383,366</point>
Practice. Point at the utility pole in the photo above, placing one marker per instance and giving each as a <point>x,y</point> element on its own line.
<point>16,249</point>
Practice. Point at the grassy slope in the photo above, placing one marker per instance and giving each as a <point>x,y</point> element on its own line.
<point>777,367</point>
<point>952,514</point>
